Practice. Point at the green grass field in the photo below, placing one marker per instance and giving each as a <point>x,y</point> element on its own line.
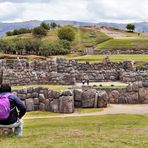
<point>107,131</point>
<point>138,58</point>
<point>52,87</point>
<point>124,43</point>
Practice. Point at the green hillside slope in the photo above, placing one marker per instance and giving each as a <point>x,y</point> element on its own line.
<point>124,43</point>
<point>84,37</point>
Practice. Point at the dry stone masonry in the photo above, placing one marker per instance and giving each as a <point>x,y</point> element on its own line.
<point>43,99</point>
<point>135,93</point>
<point>68,72</point>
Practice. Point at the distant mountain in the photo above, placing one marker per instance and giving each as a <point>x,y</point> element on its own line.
<point>5,27</point>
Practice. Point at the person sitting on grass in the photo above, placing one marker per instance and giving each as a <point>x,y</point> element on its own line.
<point>12,109</point>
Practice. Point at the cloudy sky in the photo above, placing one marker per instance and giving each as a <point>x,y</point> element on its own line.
<point>121,11</point>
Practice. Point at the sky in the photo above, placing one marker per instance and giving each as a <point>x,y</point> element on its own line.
<point>118,11</point>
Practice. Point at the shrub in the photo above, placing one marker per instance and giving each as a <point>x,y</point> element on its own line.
<point>18,31</point>
<point>66,33</point>
<point>39,32</point>
<point>53,25</point>
<point>45,26</point>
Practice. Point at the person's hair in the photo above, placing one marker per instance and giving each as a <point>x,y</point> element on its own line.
<point>5,88</point>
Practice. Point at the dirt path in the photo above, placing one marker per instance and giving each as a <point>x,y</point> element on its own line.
<point>112,109</point>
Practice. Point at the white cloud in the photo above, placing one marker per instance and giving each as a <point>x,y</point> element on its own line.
<point>80,10</point>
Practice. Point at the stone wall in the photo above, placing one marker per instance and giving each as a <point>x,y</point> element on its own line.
<point>132,76</point>
<point>43,99</point>
<point>135,93</point>
<point>67,72</point>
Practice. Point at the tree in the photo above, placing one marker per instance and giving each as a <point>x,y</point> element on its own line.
<point>53,25</point>
<point>9,33</point>
<point>45,26</point>
<point>66,33</point>
<point>130,27</point>
<point>39,32</point>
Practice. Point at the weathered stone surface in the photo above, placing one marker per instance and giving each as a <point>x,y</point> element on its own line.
<point>29,95</point>
<point>42,98</point>
<point>54,94</point>
<point>29,90</point>
<point>36,107</point>
<point>103,99</point>
<point>35,95</point>
<point>67,93</point>
<point>129,88</point>
<point>145,84</point>
<point>78,95</point>
<point>22,96</point>
<point>66,104</point>
<point>114,96</point>
<point>132,98</point>
<point>54,105</point>
<point>77,104</point>
<point>47,105</point>
<point>36,101</point>
<point>30,104</point>
<point>135,86</point>
<point>143,95</point>
<point>42,107</point>
<point>88,98</point>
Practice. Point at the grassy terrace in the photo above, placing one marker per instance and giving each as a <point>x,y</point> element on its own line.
<point>138,58</point>
<point>124,43</point>
<point>52,87</point>
<point>86,37</point>
<point>115,131</point>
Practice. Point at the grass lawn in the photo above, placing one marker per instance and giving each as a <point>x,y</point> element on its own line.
<point>107,131</point>
<point>39,113</point>
<point>124,43</point>
<point>89,110</point>
<point>52,87</point>
<point>138,58</point>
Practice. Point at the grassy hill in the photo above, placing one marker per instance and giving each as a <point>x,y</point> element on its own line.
<point>102,38</point>
<point>84,37</point>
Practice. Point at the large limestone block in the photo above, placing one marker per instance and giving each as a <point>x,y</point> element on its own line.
<point>132,98</point>
<point>88,98</point>
<point>66,104</point>
<point>42,98</point>
<point>54,106</point>
<point>78,95</point>
<point>143,95</point>
<point>103,99</point>
<point>30,104</point>
<point>42,107</point>
<point>114,96</point>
